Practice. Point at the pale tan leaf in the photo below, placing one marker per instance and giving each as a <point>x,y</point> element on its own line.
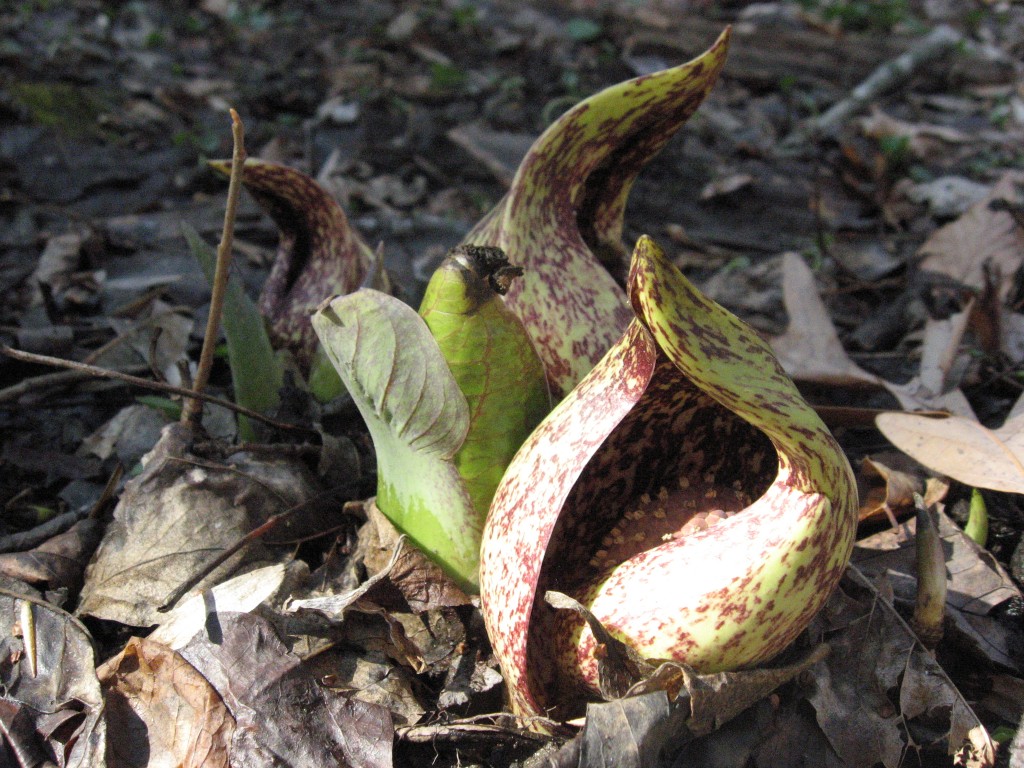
<point>940,350</point>
<point>810,349</point>
<point>983,234</point>
<point>961,448</point>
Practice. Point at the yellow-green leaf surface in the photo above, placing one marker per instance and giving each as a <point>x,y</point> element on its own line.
<point>563,214</point>
<point>495,365</point>
<point>418,419</point>
<point>961,448</point>
<point>256,373</point>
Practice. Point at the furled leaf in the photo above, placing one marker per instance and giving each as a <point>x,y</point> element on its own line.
<point>563,215</point>
<point>319,253</point>
<point>256,373</point>
<point>977,586</point>
<point>418,419</point>
<point>961,448</point>
<point>977,521</point>
<point>493,361</point>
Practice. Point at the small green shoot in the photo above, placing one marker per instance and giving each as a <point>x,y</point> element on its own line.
<point>977,519</point>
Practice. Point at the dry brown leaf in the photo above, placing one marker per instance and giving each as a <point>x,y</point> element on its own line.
<point>285,715</point>
<point>161,711</point>
<point>180,513</point>
<point>976,584</point>
<point>58,561</point>
<point>422,583</point>
<point>962,247</point>
<point>961,448</point>
<point>810,349</point>
<point>885,492</point>
<point>878,683</point>
<point>57,709</point>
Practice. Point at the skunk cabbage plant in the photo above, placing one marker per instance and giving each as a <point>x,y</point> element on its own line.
<point>319,253</point>
<point>563,215</point>
<point>684,492</point>
<point>448,396</point>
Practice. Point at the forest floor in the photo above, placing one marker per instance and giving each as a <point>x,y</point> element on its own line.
<point>907,209</point>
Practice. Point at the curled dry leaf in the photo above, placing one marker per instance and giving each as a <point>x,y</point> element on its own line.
<point>885,492</point>
<point>59,561</point>
<point>684,493</point>
<point>563,215</point>
<point>57,710</point>
<point>156,703</point>
<point>961,448</point>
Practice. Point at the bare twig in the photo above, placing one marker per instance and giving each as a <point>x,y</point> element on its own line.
<point>255,534</point>
<point>53,380</point>
<point>887,76</point>
<point>190,411</point>
<point>87,371</point>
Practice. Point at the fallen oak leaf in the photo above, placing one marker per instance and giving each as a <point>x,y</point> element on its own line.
<point>961,448</point>
<point>810,349</point>
<point>987,233</point>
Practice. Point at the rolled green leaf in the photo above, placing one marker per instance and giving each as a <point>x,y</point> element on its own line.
<point>256,372</point>
<point>977,519</point>
<point>493,360</point>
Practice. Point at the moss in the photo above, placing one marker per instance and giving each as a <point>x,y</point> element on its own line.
<point>72,109</point>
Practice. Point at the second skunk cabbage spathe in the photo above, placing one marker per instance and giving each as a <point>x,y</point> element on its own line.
<point>684,492</point>
<point>448,395</point>
<point>319,254</point>
<point>565,209</point>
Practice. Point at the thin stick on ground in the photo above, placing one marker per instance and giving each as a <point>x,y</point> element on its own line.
<point>886,77</point>
<point>82,371</point>
<point>191,410</point>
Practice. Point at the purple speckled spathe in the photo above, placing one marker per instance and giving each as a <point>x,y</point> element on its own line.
<point>319,254</point>
<point>566,204</point>
<point>688,413</point>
